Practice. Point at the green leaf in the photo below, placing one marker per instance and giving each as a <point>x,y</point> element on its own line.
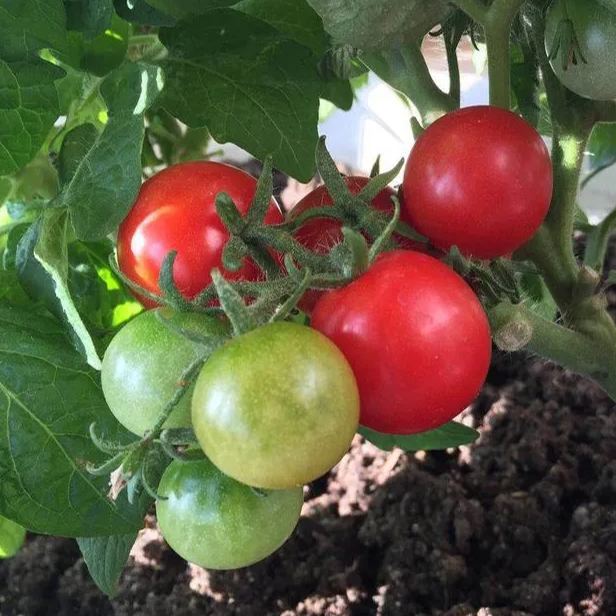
<point>580,219</point>
<point>452,434</point>
<point>12,537</point>
<point>51,253</point>
<point>28,108</point>
<point>33,278</point>
<point>29,25</point>
<point>601,149</point>
<point>295,18</point>
<point>10,243</point>
<point>101,299</point>
<point>339,92</point>
<point>379,25</point>
<point>186,8</point>
<point>105,558</point>
<point>88,17</point>
<point>48,399</point>
<point>248,84</point>
<point>10,289</point>
<point>106,51</point>
<point>538,296</point>
<point>525,82</point>
<point>106,181</point>
<point>140,12</point>
<point>35,183</point>
<point>75,146</point>
<point>98,55</point>
<point>6,187</point>
<point>71,89</point>
<point>42,267</point>
<point>28,98</point>
<point>597,239</point>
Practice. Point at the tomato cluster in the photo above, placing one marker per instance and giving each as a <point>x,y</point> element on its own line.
<point>402,348</point>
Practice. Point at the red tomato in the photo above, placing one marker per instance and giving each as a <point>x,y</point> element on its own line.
<point>322,234</point>
<point>479,178</point>
<point>176,210</point>
<point>416,337</point>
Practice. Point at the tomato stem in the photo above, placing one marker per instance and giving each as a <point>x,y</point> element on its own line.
<point>551,248</point>
<point>451,49</point>
<point>497,41</point>
<point>496,20</point>
<point>575,350</point>
<point>406,70</point>
<point>186,380</point>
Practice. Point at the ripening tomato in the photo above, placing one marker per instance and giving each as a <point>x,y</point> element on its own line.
<point>216,522</point>
<point>416,337</point>
<point>176,210</point>
<point>594,23</point>
<point>276,407</point>
<point>479,178</point>
<point>322,234</point>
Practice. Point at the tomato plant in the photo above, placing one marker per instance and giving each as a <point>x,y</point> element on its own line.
<point>144,364</point>
<point>176,210</point>
<point>487,201</point>
<point>216,522</point>
<point>112,181</point>
<point>437,361</point>
<point>276,407</point>
<point>579,36</point>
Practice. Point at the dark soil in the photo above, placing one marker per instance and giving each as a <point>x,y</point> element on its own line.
<point>522,522</point>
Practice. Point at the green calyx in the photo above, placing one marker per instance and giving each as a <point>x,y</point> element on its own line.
<point>566,46</point>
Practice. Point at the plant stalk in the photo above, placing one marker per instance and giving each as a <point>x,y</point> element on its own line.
<point>575,350</point>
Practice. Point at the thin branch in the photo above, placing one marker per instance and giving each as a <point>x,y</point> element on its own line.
<point>475,9</point>
<point>575,350</point>
<point>453,66</point>
<point>406,71</point>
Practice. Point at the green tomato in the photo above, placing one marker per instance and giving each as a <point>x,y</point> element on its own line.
<point>594,24</point>
<point>276,407</point>
<point>143,365</point>
<point>218,523</point>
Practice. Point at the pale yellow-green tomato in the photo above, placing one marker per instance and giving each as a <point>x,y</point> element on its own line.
<point>276,407</point>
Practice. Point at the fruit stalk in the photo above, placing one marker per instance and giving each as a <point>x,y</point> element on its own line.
<point>496,20</point>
